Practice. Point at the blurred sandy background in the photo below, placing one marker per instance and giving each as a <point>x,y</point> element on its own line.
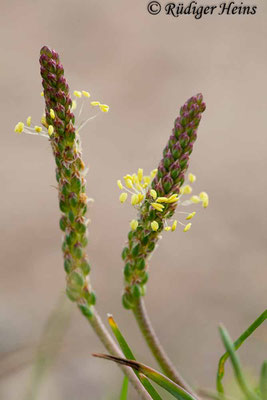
<point>144,67</point>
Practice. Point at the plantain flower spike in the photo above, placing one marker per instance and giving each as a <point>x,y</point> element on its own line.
<point>159,194</point>
<point>70,175</point>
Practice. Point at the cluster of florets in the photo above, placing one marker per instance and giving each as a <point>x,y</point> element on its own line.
<point>139,188</point>
<point>77,107</point>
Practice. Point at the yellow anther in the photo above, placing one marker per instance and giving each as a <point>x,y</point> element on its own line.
<point>157,206</point>
<point>19,127</point>
<point>86,94</point>
<point>138,187</point>
<point>104,107</point>
<point>187,189</point>
<point>144,185</point>
<point>147,179</point>
<point>174,226</point>
<point>52,113</point>
<point>205,203</point>
<point>187,227</point>
<point>134,224</point>
<point>28,121</point>
<point>95,103</point>
<point>153,173</point>
<point>135,178</point>
<point>192,178</point>
<point>195,199</point>
<point>154,226</point>
<point>173,198</point>
<point>153,193</point>
<point>167,228</point>
<point>191,215</point>
<point>128,177</point>
<point>42,94</point>
<point>128,183</point>
<point>162,200</point>
<point>119,184</point>
<point>204,197</point>
<point>38,129</point>
<point>74,105</point>
<point>123,197</point>
<point>50,130</point>
<point>140,197</point>
<point>43,121</point>
<point>134,199</point>
<point>140,174</point>
<point>77,93</point>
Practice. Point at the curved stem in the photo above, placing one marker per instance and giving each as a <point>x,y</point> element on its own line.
<point>156,348</point>
<point>104,336</point>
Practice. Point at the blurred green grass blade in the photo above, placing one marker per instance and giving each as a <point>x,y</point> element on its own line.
<point>125,348</point>
<point>237,344</point>
<point>124,389</point>
<point>152,374</point>
<point>120,339</point>
<point>228,344</point>
<point>263,381</point>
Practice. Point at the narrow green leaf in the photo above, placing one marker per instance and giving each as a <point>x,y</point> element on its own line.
<point>228,344</point>
<point>124,389</point>
<point>237,344</point>
<point>157,377</point>
<point>263,380</point>
<point>129,355</point>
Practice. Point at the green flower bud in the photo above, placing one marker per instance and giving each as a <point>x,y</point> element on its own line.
<point>67,265</point>
<point>73,295</point>
<point>141,264</point>
<point>136,249</point>
<point>136,291</point>
<point>85,267</point>
<point>125,253</point>
<point>63,223</point>
<point>86,310</point>
<point>76,279</point>
<point>127,301</point>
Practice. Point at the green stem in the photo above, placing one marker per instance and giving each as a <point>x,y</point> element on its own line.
<point>113,349</point>
<point>156,348</point>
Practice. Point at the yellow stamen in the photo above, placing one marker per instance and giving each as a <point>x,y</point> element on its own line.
<point>86,94</point>
<point>187,189</point>
<point>42,94</point>
<point>154,226</point>
<point>134,224</point>
<point>123,197</point>
<point>153,193</point>
<point>140,197</point>
<point>28,121</point>
<point>74,105</point>
<point>157,206</point>
<point>153,173</point>
<point>187,227</point>
<point>192,178</point>
<point>95,103</point>
<point>50,130</point>
<point>38,129</point>
<point>173,198</point>
<point>128,183</point>
<point>167,228</point>
<point>52,113</point>
<point>19,127</point>
<point>195,199</point>
<point>191,215</point>
<point>77,93</point>
<point>162,200</point>
<point>134,199</point>
<point>174,226</point>
<point>147,179</point>
<point>104,107</point>
<point>119,184</point>
<point>140,174</point>
<point>43,121</point>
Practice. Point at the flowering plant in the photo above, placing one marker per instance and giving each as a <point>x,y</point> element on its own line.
<point>156,197</point>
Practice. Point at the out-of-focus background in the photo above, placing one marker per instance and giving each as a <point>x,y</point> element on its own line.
<point>144,67</point>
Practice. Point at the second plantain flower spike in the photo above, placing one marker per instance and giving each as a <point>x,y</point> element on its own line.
<point>157,196</point>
